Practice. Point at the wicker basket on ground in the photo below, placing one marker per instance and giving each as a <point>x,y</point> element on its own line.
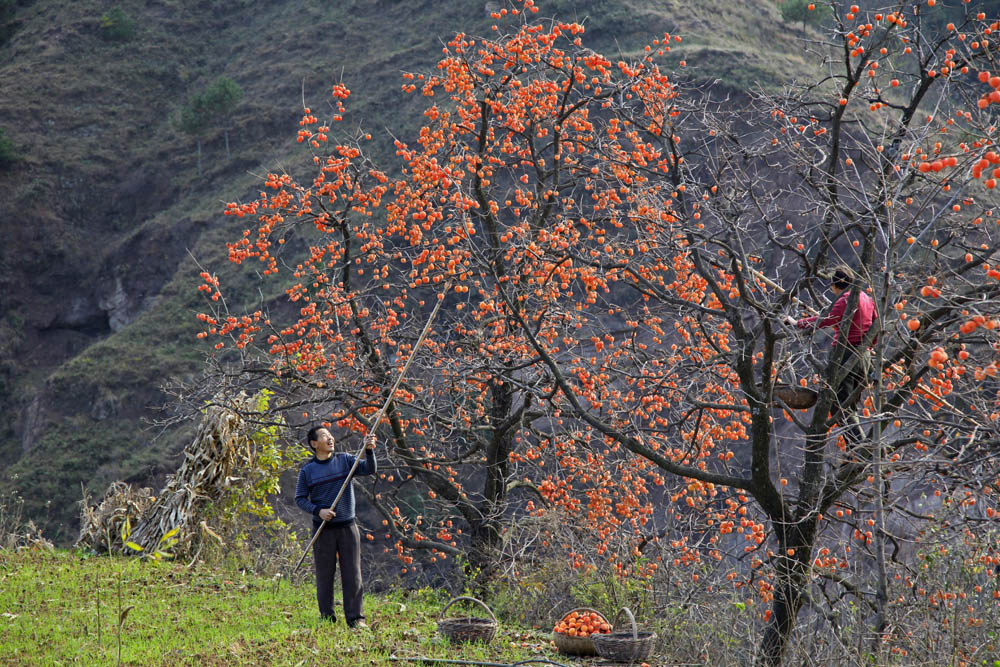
<point>581,646</point>
<point>799,398</point>
<point>626,647</point>
<point>467,628</point>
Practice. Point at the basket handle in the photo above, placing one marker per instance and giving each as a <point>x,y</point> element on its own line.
<point>470,599</point>
<point>567,613</point>
<point>631,618</point>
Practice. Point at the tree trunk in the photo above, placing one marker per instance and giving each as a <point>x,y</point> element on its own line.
<point>482,563</point>
<point>486,535</point>
<point>878,449</point>
<point>199,157</point>
<point>788,599</point>
<point>226,133</point>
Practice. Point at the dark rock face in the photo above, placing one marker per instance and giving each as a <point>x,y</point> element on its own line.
<point>118,306</point>
<point>29,423</point>
<point>146,189</point>
<point>67,313</point>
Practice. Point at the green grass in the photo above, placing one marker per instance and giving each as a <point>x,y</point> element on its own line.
<point>62,607</point>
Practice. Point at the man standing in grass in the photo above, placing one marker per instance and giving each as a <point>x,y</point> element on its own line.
<point>320,480</point>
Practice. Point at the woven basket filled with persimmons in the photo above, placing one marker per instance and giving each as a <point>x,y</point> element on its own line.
<point>572,634</point>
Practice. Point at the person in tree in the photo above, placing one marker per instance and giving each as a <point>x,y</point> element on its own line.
<point>858,355</point>
<point>319,482</point>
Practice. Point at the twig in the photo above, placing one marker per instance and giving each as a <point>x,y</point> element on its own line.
<point>775,286</point>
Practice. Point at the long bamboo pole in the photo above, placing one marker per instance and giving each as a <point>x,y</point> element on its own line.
<point>376,420</point>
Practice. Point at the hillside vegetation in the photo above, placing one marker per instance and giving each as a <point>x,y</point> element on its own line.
<point>106,220</point>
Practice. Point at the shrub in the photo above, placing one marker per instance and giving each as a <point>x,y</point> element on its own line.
<point>214,102</point>
<point>17,533</point>
<point>799,10</point>
<point>116,26</point>
<point>6,20</point>
<point>694,611</point>
<point>7,154</point>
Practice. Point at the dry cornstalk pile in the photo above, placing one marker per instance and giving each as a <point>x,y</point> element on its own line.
<point>101,525</point>
<point>207,473</point>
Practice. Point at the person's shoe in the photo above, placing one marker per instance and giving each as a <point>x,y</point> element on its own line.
<point>328,619</point>
<point>357,624</point>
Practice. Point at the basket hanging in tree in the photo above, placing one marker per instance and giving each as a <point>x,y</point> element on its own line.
<point>467,628</point>
<point>625,646</point>
<point>572,634</point>
<point>799,398</point>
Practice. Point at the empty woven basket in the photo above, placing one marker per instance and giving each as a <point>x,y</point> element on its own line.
<point>467,628</point>
<point>625,646</point>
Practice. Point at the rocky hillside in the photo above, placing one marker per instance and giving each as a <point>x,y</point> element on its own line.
<point>106,218</point>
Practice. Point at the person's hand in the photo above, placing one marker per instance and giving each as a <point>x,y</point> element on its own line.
<point>790,321</point>
<point>370,441</point>
<point>326,515</point>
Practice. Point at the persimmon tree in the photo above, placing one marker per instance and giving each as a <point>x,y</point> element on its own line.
<point>369,255</point>
<point>670,233</point>
<point>886,167</point>
<point>364,283</point>
<point>714,219</point>
<point>616,251</point>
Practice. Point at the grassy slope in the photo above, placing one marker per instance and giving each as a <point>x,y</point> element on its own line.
<point>107,190</point>
<point>54,602</point>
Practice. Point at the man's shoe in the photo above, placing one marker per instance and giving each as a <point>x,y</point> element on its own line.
<point>358,624</point>
<point>329,619</point>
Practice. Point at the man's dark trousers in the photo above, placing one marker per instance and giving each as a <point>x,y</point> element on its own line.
<point>856,378</point>
<point>341,542</point>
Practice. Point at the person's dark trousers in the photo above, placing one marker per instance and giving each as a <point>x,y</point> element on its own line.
<point>856,377</point>
<point>339,543</point>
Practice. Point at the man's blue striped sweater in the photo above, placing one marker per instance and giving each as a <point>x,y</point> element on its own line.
<point>320,481</point>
